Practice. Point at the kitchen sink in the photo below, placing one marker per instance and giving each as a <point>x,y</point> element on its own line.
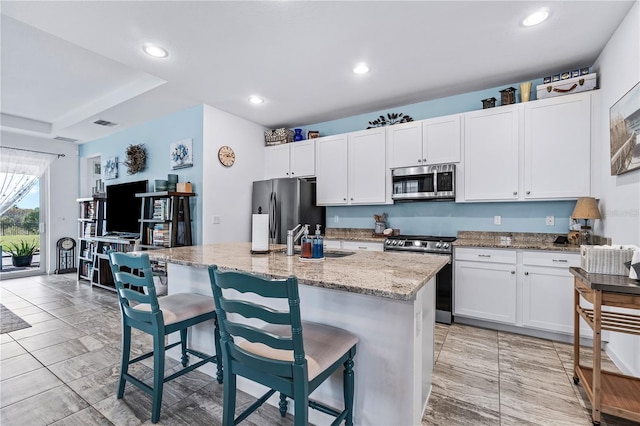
<point>331,254</point>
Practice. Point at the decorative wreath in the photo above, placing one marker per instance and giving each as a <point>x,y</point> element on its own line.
<point>390,119</point>
<point>136,158</point>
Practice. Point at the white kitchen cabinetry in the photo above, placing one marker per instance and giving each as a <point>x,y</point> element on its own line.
<point>537,150</point>
<point>353,245</point>
<point>351,168</point>
<point>297,159</point>
<point>425,142</point>
<point>491,154</point>
<point>557,148</point>
<point>485,284</point>
<point>547,286</point>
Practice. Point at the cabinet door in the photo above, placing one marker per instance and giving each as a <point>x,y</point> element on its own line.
<point>367,167</point>
<point>441,138</point>
<point>557,147</point>
<point>491,154</point>
<point>277,161</point>
<point>485,291</point>
<point>331,170</point>
<point>302,158</point>
<point>405,144</point>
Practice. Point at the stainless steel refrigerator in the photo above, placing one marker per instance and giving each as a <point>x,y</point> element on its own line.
<point>288,202</point>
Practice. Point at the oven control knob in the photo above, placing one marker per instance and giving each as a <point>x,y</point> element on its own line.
<point>438,244</point>
<point>395,242</point>
<point>388,242</point>
<point>445,245</point>
<point>401,243</point>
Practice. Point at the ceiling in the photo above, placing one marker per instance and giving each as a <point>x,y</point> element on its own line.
<point>66,64</point>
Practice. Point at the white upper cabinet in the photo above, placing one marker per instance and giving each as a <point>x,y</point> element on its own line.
<point>418,143</point>
<point>351,168</point>
<point>557,147</point>
<point>538,150</point>
<point>297,159</point>
<point>491,154</point>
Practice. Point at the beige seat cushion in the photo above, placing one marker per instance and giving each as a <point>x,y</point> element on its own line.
<point>323,345</point>
<point>181,306</point>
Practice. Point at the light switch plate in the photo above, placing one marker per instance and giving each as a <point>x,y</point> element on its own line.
<point>497,220</point>
<point>551,220</point>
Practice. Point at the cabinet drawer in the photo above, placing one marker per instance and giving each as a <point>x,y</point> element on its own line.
<point>486,255</point>
<point>552,259</point>
<point>332,244</point>
<point>360,245</point>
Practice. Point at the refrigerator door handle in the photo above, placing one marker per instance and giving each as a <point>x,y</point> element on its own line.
<point>272,215</point>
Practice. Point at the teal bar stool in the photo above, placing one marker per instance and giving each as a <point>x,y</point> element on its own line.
<point>286,355</point>
<point>159,317</point>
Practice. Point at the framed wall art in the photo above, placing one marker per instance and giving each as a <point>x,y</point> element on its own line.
<point>181,154</point>
<point>624,130</point>
<point>110,168</point>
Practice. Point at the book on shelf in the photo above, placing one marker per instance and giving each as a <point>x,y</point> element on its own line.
<point>89,230</point>
<point>161,234</point>
<point>161,209</point>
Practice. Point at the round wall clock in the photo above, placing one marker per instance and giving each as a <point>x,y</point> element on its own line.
<point>226,156</point>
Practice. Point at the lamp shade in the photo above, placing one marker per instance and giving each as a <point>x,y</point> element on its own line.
<point>586,208</point>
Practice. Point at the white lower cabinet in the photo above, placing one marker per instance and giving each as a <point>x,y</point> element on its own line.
<point>532,289</point>
<point>353,245</point>
<point>485,285</point>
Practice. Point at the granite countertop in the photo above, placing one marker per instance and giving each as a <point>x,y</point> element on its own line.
<point>512,240</point>
<point>608,283</point>
<point>353,234</point>
<point>396,276</point>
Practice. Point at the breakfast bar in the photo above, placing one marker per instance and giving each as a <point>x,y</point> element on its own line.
<point>386,299</point>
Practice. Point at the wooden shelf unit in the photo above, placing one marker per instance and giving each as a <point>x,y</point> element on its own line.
<point>165,219</point>
<point>91,224</point>
<point>609,393</point>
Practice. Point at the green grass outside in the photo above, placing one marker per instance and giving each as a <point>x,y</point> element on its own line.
<point>15,239</point>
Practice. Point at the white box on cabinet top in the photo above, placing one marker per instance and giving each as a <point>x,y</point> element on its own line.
<point>536,150</point>
<point>351,168</point>
<point>297,159</point>
<point>425,142</point>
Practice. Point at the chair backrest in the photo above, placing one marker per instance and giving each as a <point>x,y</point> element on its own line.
<point>134,270</point>
<point>283,330</point>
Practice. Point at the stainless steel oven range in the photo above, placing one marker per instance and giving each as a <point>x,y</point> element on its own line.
<point>444,279</point>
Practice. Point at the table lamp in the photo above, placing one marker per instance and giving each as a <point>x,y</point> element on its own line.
<point>586,208</point>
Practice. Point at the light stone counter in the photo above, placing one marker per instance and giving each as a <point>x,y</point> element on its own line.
<point>386,299</point>
<point>512,240</point>
<point>389,275</point>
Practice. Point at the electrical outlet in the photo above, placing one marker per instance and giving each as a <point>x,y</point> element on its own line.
<point>497,220</point>
<point>336,219</point>
<point>551,220</point>
<point>215,219</point>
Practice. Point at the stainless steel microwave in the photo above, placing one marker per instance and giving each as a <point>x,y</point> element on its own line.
<point>424,182</point>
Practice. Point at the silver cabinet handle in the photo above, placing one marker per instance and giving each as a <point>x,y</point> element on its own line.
<point>292,173</point>
<point>515,193</point>
<point>513,272</point>
<point>560,260</point>
<point>526,273</point>
<point>424,160</point>
<point>362,248</point>
<point>528,192</point>
<point>351,198</point>
<point>419,160</point>
<point>484,255</point>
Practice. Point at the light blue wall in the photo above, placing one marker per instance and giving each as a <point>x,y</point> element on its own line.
<point>444,217</point>
<point>157,136</point>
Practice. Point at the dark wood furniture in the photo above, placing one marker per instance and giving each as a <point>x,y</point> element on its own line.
<point>609,393</point>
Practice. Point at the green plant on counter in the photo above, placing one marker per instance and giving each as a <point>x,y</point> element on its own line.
<point>21,248</point>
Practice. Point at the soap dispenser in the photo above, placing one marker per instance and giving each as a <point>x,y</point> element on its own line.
<point>307,250</point>
<point>318,244</point>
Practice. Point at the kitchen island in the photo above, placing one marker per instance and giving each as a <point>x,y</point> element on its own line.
<point>386,299</point>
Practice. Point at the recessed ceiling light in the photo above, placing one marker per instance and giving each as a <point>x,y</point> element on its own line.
<point>535,18</point>
<point>255,99</point>
<point>361,68</point>
<point>154,50</point>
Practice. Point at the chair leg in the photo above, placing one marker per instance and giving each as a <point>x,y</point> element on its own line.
<point>158,376</point>
<point>301,407</point>
<point>183,345</point>
<point>126,356</point>
<point>283,404</point>
<point>216,341</point>
<point>229,398</point>
<point>348,390</point>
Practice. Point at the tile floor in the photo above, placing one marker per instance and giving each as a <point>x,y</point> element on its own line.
<point>63,371</point>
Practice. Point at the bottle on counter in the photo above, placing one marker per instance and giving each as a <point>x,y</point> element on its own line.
<point>307,249</point>
<point>318,245</point>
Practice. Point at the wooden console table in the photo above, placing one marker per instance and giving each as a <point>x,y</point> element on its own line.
<point>610,393</point>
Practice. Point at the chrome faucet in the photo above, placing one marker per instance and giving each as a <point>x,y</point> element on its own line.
<point>292,237</point>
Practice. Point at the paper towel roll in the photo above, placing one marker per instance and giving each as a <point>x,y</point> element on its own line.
<point>260,232</point>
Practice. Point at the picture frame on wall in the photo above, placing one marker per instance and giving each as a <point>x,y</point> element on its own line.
<point>624,132</point>
<point>181,154</point>
<point>110,168</point>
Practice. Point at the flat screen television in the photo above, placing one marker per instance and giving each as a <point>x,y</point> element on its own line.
<point>123,207</point>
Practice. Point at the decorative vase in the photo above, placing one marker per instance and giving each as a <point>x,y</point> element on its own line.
<point>21,260</point>
<point>525,91</point>
<point>298,136</point>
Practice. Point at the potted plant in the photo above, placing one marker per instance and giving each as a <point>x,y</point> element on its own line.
<point>22,252</point>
